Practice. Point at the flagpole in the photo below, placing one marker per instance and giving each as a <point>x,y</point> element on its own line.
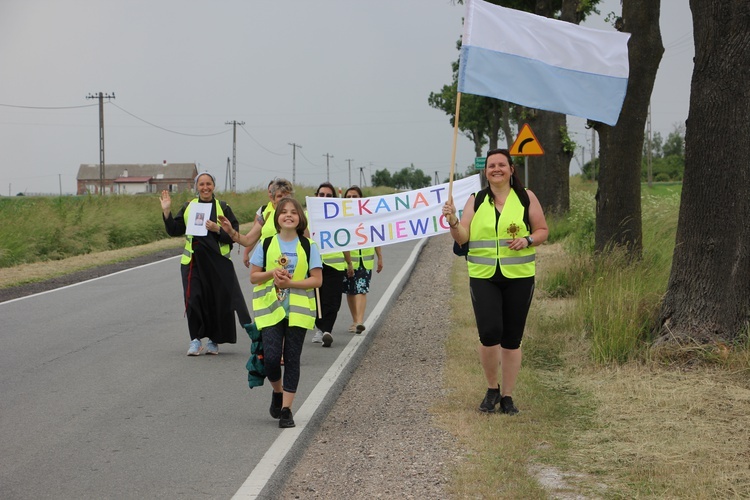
<point>455,140</point>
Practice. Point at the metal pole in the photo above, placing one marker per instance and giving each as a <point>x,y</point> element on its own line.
<point>350,160</point>
<point>328,171</point>
<point>294,161</point>
<point>234,124</point>
<point>101,97</point>
<point>526,170</point>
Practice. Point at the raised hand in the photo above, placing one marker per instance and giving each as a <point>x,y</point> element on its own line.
<point>166,203</point>
<point>226,225</point>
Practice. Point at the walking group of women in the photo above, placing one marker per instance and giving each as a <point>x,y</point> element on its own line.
<point>501,224</point>
<point>285,266</point>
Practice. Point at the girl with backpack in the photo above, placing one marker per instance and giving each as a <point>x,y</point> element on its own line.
<point>285,270</point>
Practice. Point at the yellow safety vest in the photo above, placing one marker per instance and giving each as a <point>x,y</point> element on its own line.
<point>187,252</point>
<point>302,307</point>
<point>269,228</point>
<point>335,259</point>
<point>367,255</point>
<point>489,241</point>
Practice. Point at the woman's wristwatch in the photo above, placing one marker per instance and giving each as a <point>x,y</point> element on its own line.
<point>529,240</point>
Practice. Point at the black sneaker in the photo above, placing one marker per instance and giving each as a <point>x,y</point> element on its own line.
<point>507,406</point>
<point>276,401</point>
<point>327,339</point>
<point>490,401</point>
<point>286,419</point>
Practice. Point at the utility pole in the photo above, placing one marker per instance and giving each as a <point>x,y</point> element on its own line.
<point>294,161</point>
<point>228,173</point>
<point>328,171</point>
<point>101,96</point>
<point>436,178</point>
<point>59,182</point>
<point>349,161</point>
<point>583,161</point>
<point>362,181</point>
<point>234,124</point>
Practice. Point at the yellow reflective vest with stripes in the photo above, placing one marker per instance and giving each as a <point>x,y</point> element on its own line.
<point>488,244</point>
<point>302,307</point>
<point>367,255</point>
<point>269,228</point>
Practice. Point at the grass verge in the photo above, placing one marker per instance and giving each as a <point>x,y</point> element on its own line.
<point>638,429</point>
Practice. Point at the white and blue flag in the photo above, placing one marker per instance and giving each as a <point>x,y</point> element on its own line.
<point>543,63</point>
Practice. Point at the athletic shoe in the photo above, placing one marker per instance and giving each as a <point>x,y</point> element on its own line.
<point>490,401</point>
<point>285,419</point>
<point>212,347</point>
<point>276,401</point>
<point>327,339</point>
<point>196,347</point>
<point>353,328</point>
<point>360,328</point>
<point>317,337</point>
<point>507,406</point>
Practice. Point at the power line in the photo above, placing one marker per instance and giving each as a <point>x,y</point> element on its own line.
<point>47,107</point>
<point>261,145</point>
<point>166,129</point>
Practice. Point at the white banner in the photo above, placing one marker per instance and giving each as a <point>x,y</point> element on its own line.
<point>338,224</point>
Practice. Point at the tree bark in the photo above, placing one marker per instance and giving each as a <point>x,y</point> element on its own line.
<point>707,296</point>
<point>549,174</point>
<point>618,198</point>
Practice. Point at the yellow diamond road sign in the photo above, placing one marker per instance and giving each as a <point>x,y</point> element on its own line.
<point>526,144</point>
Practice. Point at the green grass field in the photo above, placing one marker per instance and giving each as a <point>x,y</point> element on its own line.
<point>55,228</point>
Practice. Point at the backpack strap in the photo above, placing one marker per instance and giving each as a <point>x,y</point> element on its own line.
<point>306,247</point>
<point>303,241</point>
<point>266,244</point>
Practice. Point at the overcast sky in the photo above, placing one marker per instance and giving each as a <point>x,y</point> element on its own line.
<point>346,78</point>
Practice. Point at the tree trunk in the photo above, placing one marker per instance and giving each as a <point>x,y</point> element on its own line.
<point>549,174</point>
<point>709,286</point>
<point>618,198</point>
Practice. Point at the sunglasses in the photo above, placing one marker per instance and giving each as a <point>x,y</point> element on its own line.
<point>325,195</point>
<point>352,196</point>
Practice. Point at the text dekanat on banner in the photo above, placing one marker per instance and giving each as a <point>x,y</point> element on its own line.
<point>339,224</point>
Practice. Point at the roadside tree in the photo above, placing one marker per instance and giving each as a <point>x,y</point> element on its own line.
<point>707,296</point>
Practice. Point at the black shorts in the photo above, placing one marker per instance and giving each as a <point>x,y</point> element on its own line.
<point>500,308</point>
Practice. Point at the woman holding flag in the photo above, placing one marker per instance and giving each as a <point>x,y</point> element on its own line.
<point>502,233</point>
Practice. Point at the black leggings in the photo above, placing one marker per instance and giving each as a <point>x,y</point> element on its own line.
<point>330,297</point>
<point>292,338</point>
<point>500,309</point>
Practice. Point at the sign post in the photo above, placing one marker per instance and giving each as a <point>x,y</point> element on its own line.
<point>526,145</point>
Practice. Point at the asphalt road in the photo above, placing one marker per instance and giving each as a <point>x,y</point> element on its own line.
<point>99,399</point>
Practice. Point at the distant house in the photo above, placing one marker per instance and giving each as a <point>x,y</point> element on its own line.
<point>134,179</point>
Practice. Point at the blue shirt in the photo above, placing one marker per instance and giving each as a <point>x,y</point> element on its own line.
<point>288,248</point>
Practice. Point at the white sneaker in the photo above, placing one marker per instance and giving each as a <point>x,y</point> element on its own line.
<point>317,337</point>
<point>327,339</point>
<point>196,347</point>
